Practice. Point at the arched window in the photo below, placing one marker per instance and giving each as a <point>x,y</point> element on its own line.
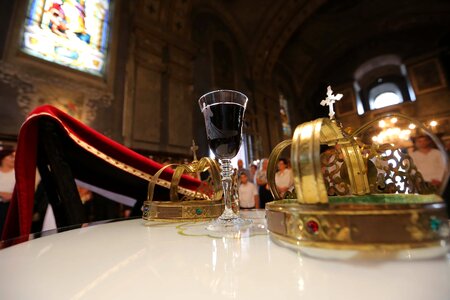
<point>383,95</point>
<point>386,99</point>
<point>381,82</point>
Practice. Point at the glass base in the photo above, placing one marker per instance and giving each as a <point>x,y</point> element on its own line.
<point>229,222</point>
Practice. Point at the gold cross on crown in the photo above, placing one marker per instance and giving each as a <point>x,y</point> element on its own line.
<point>194,149</point>
<point>330,100</point>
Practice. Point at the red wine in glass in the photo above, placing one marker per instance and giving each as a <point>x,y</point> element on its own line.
<point>223,125</point>
<point>223,111</point>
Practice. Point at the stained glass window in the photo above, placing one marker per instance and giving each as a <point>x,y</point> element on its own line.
<point>73,33</point>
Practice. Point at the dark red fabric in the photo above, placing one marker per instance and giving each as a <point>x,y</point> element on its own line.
<point>19,219</point>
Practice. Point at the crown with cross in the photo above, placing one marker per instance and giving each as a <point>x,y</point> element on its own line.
<point>204,203</point>
<point>355,196</point>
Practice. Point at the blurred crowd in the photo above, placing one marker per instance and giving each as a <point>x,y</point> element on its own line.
<point>253,187</point>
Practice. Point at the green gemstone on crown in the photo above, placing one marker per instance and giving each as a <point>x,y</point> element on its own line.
<point>435,224</point>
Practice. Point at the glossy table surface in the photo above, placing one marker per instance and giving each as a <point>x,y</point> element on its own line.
<point>127,260</point>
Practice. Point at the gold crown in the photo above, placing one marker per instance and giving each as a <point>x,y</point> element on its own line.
<point>204,203</point>
<point>354,196</point>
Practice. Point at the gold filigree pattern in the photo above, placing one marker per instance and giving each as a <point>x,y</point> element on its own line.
<point>389,171</point>
<point>334,172</point>
<point>396,173</point>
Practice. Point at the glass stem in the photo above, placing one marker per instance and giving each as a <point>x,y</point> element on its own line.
<point>227,182</point>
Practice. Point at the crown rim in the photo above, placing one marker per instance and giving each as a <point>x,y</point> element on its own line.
<point>361,225</point>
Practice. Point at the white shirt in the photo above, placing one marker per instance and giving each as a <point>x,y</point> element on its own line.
<point>429,164</point>
<point>247,193</point>
<point>7,181</point>
<point>285,179</point>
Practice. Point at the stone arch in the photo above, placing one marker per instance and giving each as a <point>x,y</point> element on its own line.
<point>274,37</point>
<point>214,8</point>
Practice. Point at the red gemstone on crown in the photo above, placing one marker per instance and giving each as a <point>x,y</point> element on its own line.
<point>312,227</point>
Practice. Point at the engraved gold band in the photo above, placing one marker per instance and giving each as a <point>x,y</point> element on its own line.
<point>359,225</point>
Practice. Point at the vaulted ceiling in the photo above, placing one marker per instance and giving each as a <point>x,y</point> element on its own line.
<point>318,41</point>
<point>305,35</point>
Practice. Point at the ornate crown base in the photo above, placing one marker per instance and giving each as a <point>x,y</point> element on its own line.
<point>197,210</point>
<point>368,223</point>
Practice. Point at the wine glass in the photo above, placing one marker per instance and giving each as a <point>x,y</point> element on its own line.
<point>223,111</point>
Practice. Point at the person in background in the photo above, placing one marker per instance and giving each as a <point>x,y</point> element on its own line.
<point>241,168</point>
<point>7,182</point>
<point>261,180</point>
<point>428,160</point>
<point>253,169</point>
<point>284,178</point>
<point>248,195</point>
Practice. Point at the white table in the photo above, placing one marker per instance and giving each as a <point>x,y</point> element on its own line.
<point>127,260</point>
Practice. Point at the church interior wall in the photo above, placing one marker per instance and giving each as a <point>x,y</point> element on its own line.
<point>163,58</point>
